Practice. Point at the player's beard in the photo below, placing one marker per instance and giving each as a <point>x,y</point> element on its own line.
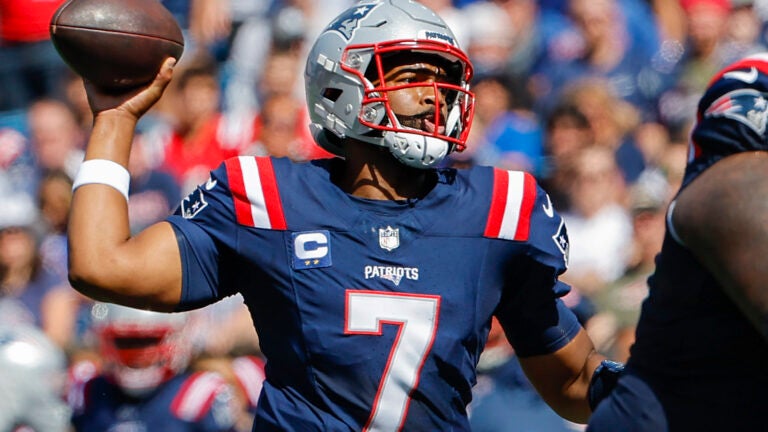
<point>424,121</point>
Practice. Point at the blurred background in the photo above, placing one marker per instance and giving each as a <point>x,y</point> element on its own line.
<point>595,98</point>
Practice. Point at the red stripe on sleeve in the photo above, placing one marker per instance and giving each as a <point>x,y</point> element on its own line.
<point>239,196</point>
<point>271,193</point>
<point>526,208</point>
<point>178,400</point>
<point>498,202</point>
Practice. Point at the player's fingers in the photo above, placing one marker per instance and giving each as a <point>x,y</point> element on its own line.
<point>166,70</point>
<point>143,101</point>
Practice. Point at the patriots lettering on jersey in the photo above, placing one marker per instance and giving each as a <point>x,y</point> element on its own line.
<point>347,23</point>
<point>193,204</point>
<point>747,106</point>
<point>391,273</point>
<point>561,240</point>
<point>514,193</point>
<point>311,249</point>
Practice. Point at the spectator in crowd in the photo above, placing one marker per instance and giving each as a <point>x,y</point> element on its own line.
<point>613,328</point>
<point>189,139</point>
<point>54,199</point>
<point>25,281</point>
<point>509,135</point>
<point>705,51</point>
<point>454,16</point>
<point>47,138</point>
<point>30,67</point>
<point>567,132</point>
<point>744,29</point>
<point>56,140</point>
<point>533,28</point>
<point>599,45</point>
<point>154,193</point>
<point>68,310</point>
<point>281,130</point>
<point>490,39</point>
<point>599,224</point>
<point>279,126</point>
<point>612,120</point>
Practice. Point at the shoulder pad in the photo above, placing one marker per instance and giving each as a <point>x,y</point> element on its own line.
<point>197,395</point>
<point>249,371</point>
<point>255,192</point>
<point>509,217</point>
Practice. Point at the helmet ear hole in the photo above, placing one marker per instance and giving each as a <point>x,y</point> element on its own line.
<point>332,94</point>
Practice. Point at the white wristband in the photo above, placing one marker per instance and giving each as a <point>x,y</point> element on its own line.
<point>103,171</point>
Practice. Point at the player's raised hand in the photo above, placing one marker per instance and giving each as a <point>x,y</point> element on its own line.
<point>134,102</point>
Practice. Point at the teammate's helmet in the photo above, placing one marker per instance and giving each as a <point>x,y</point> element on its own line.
<point>32,378</point>
<point>732,114</point>
<point>142,348</point>
<point>349,56</point>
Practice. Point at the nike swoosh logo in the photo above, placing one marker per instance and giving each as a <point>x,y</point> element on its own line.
<point>746,77</point>
<point>548,208</point>
<point>210,184</point>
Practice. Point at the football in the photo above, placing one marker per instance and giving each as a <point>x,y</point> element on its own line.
<point>116,44</point>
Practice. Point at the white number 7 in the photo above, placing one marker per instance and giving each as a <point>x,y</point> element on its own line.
<point>416,315</point>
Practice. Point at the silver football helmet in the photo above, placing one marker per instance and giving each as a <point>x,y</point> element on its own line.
<point>32,379</point>
<point>142,348</point>
<point>347,94</point>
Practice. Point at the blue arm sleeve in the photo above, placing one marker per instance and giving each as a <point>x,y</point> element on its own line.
<point>199,266</point>
<point>535,320</point>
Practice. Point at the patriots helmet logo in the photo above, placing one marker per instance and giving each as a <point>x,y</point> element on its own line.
<point>745,105</point>
<point>348,22</point>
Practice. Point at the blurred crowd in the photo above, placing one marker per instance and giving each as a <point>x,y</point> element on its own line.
<point>595,98</point>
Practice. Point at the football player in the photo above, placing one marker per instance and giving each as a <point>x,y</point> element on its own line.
<point>371,277</point>
<point>144,385</point>
<point>700,360</point>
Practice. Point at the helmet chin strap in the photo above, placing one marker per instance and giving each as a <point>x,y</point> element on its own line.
<point>452,123</point>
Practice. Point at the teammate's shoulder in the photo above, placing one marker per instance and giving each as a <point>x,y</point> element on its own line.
<point>199,393</point>
<point>724,200</point>
<point>720,218</point>
<point>250,375</point>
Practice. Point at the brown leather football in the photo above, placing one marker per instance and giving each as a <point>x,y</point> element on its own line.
<point>116,44</point>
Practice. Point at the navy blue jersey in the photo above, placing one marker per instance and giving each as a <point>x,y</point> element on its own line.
<point>372,313</point>
<point>697,363</point>
<point>198,402</point>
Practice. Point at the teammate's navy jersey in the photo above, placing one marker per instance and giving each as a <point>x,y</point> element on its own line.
<point>198,402</point>
<point>695,349</point>
<point>372,313</point>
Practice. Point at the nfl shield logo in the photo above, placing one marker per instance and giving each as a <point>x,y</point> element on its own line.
<point>389,238</point>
